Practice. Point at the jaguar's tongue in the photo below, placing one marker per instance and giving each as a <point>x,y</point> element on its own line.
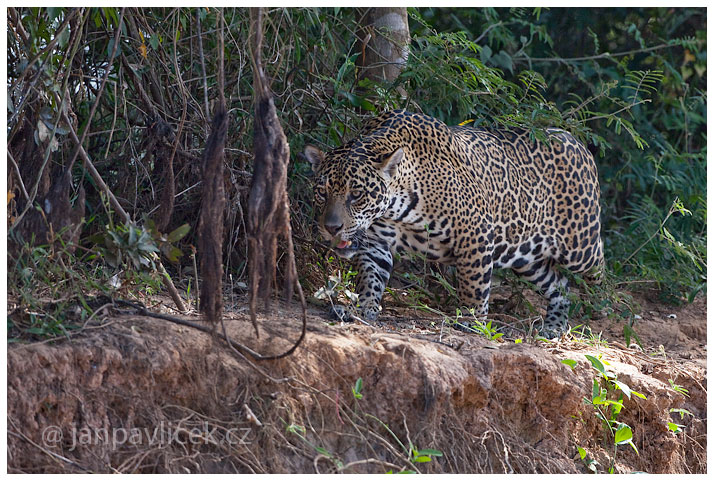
<point>343,244</point>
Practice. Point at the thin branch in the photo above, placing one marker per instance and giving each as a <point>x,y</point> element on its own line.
<point>203,63</point>
<point>19,177</point>
<point>114,120</point>
<point>485,32</point>
<point>221,52</point>
<point>626,107</point>
<point>592,57</point>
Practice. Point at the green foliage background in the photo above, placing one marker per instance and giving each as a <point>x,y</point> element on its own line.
<point>631,82</point>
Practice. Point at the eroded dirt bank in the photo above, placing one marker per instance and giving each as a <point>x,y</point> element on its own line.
<point>145,395</point>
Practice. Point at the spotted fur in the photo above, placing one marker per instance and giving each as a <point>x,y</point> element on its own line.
<point>474,198</point>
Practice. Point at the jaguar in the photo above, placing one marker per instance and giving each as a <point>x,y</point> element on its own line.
<point>474,198</point>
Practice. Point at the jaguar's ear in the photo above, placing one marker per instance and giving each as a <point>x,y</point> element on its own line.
<point>389,166</point>
<point>314,155</point>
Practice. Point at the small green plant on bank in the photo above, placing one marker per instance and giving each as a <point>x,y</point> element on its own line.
<point>584,334</point>
<point>485,328</point>
<point>357,389</point>
<point>590,463</point>
<point>678,388</point>
<point>127,245</point>
<point>677,428</point>
<point>607,405</point>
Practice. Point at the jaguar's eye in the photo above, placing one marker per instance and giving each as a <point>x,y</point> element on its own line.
<point>355,195</point>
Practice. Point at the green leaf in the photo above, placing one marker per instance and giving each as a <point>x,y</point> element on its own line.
<point>675,428</point>
<point>633,447</point>
<point>690,296</point>
<point>97,17</point>
<point>582,453</point>
<point>597,364</point>
<point>623,387</point>
<point>600,400</point>
<point>629,332</point>
<point>35,330</point>
<point>178,233</point>
<point>53,12</point>
<point>503,60</point>
<point>110,47</point>
<point>569,362</point>
<point>357,389</point>
<point>132,235</point>
<point>111,14</point>
<point>486,53</point>
<point>63,38</point>
<point>360,102</point>
<point>349,62</point>
<point>174,254</point>
<point>681,412</point>
<point>421,459</point>
<point>639,395</point>
<point>623,435</point>
<point>596,388</point>
<point>618,405</point>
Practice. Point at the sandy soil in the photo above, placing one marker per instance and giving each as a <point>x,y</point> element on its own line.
<point>137,394</point>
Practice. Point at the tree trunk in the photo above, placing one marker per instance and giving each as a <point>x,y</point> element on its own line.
<point>384,39</point>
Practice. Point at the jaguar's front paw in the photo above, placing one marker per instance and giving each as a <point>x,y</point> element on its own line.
<point>553,328</point>
<point>341,313</point>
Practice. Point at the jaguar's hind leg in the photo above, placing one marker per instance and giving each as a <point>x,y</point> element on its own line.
<point>552,284</point>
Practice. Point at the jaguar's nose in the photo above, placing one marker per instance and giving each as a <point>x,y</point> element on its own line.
<point>333,228</point>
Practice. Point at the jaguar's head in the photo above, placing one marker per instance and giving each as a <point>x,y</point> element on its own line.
<point>351,191</point>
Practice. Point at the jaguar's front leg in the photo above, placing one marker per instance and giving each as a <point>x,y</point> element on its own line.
<point>374,266</point>
<point>474,266</point>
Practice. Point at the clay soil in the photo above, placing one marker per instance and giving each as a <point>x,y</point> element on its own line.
<point>138,394</point>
